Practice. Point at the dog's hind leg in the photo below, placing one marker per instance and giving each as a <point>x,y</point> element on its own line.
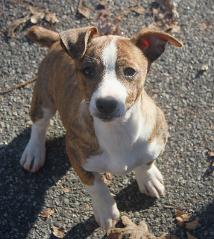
<point>42,109</point>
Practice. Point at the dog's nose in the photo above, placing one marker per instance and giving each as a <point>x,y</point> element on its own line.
<point>106,105</point>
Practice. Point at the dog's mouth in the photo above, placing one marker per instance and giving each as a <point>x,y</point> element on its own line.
<point>108,117</point>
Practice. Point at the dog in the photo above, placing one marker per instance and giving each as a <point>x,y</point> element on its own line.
<point>96,83</point>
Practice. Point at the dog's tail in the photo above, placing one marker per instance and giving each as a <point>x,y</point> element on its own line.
<point>43,36</point>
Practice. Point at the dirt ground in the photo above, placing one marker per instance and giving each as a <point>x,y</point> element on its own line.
<point>181,82</point>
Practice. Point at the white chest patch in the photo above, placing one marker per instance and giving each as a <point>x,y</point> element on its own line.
<point>124,144</point>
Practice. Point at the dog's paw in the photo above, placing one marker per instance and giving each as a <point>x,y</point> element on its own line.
<point>106,214</point>
<point>150,182</point>
<point>33,157</point>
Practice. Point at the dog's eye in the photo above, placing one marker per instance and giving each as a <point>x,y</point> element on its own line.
<point>88,71</point>
<point>129,72</point>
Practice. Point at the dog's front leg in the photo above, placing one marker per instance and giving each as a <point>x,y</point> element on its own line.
<point>97,163</point>
<point>105,208</point>
<point>150,180</point>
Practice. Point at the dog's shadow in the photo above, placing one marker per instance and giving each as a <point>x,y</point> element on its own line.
<point>128,199</point>
<point>22,194</point>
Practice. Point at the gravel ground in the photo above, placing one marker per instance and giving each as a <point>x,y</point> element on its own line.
<point>180,87</point>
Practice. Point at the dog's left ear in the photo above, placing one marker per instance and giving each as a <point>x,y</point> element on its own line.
<point>152,42</point>
<point>75,40</point>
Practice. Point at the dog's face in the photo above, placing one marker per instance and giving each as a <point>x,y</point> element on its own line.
<point>112,69</point>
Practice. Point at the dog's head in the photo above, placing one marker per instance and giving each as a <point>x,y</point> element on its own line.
<point>112,69</point>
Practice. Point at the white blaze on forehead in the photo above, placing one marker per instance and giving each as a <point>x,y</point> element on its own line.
<point>109,56</point>
<point>110,85</point>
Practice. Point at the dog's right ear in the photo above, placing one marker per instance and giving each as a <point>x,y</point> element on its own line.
<point>75,41</point>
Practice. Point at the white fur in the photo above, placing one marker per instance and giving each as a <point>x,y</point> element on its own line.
<point>124,143</point>
<point>150,181</point>
<point>109,56</point>
<point>110,86</point>
<point>33,157</point>
<point>155,148</point>
<point>105,208</point>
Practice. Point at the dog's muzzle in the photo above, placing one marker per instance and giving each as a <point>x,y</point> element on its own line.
<point>107,108</point>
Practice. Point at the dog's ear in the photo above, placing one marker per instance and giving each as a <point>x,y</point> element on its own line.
<point>152,42</point>
<point>75,41</point>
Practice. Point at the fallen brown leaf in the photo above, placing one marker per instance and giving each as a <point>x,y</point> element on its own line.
<point>58,232</point>
<point>181,217</point>
<point>205,25</point>
<point>133,231</point>
<point>107,178</point>
<point>14,25</point>
<point>65,190</point>
<point>35,16</point>
<point>190,236</point>
<point>51,18</point>
<point>40,14</point>
<point>138,10</point>
<point>210,153</point>
<point>192,225</point>
<point>101,5</point>
<point>167,236</point>
<point>47,212</point>
<point>83,10</point>
<point>173,28</point>
<point>34,10</point>
<point>165,15</point>
<point>106,24</point>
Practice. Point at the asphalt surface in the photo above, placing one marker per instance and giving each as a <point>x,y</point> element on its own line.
<point>177,82</point>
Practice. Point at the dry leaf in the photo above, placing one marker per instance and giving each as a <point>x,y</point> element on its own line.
<point>174,28</point>
<point>181,217</point>
<point>47,212</point>
<point>65,190</point>
<point>205,25</point>
<point>167,236</point>
<point>106,24</point>
<point>192,225</point>
<point>132,231</point>
<point>138,10</point>
<point>51,17</point>
<point>37,18</point>
<point>165,15</point>
<point>210,154</point>
<point>190,236</point>
<point>58,232</point>
<point>37,15</point>
<point>107,178</point>
<point>182,214</point>
<point>14,25</point>
<point>83,10</point>
<point>34,10</point>
<point>101,5</point>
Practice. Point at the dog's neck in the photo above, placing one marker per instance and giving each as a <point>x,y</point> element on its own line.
<point>133,125</point>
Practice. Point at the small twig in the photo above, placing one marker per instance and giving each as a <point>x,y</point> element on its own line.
<point>169,206</point>
<point>18,86</point>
